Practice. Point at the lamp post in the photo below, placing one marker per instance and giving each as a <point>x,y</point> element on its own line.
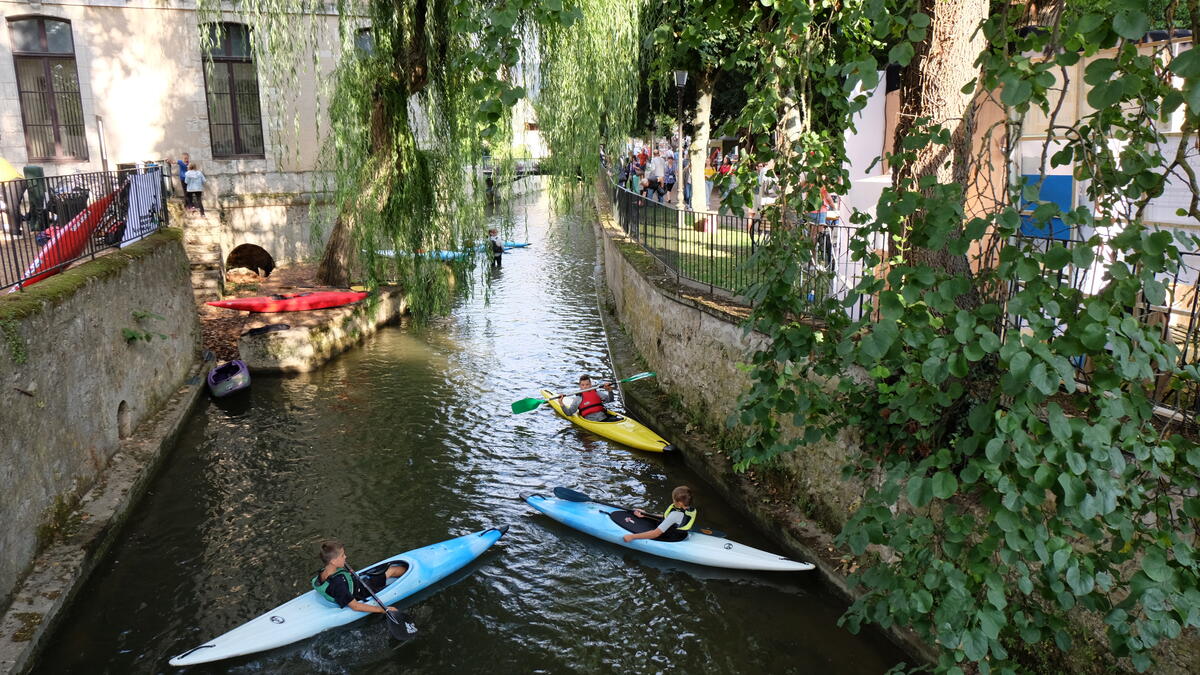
<point>680,82</point>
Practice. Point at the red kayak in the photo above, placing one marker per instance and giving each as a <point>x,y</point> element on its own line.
<point>291,302</point>
<point>66,243</point>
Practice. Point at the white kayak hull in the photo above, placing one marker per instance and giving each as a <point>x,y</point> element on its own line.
<point>309,614</point>
<point>701,549</point>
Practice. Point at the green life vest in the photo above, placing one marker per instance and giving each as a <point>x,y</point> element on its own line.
<point>689,519</point>
<point>322,587</point>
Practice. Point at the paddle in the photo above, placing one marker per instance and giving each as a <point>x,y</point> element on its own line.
<point>575,496</point>
<point>399,625</point>
<point>527,404</point>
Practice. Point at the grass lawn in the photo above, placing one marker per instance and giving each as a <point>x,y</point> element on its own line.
<point>715,257</point>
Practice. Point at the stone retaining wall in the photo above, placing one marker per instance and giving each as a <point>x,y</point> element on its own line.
<point>77,375</point>
<point>696,345</point>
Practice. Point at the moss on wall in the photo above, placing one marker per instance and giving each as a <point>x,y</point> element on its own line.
<point>52,291</point>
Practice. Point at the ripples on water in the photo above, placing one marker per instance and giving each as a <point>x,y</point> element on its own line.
<point>407,441</point>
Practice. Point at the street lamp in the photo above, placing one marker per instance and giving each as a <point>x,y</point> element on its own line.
<point>680,82</point>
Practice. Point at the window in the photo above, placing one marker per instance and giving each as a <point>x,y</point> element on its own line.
<point>234,117</point>
<point>48,86</point>
<point>364,41</point>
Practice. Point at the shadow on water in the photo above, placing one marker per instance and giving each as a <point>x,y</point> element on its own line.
<point>407,441</point>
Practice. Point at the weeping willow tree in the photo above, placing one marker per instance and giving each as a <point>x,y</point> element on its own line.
<point>412,115</point>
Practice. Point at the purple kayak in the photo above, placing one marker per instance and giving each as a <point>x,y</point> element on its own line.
<point>228,378</point>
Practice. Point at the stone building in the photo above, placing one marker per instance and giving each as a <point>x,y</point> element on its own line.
<point>89,85</point>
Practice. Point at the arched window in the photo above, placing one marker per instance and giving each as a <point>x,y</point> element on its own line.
<point>231,82</point>
<point>48,86</point>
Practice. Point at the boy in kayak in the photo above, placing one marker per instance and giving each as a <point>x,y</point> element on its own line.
<point>338,585</point>
<point>678,518</point>
<point>589,404</point>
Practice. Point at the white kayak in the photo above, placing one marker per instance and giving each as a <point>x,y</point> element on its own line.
<point>612,523</point>
<point>310,614</point>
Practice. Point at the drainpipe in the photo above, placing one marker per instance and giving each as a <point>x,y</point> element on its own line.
<point>103,146</point>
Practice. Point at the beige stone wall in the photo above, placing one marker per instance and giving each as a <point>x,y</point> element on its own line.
<point>81,385</point>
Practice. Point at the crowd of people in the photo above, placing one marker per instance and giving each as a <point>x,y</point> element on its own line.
<point>651,172</point>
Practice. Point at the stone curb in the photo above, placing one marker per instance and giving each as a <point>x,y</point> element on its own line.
<point>60,572</point>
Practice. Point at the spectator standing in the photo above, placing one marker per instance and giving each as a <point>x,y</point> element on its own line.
<point>183,169</point>
<point>194,182</point>
<point>657,175</point>
<point>669,179</point>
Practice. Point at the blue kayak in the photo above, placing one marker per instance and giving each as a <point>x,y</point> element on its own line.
<point>612,523</point>
<point>310,614</point>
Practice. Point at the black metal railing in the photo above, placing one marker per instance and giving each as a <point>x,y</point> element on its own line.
<point>47,224</point>
<point>713,249</point>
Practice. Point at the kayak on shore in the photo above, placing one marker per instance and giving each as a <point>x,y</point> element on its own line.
<point>228,378</point>
<point>291,302</point>
<point>309,614</point>
<point>612,523</point>
<point>623,429</point>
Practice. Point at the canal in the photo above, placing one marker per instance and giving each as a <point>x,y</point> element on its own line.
<point>409,440</point>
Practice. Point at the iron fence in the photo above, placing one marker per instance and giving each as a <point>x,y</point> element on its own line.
<point>49,223</point>
<point>714,249</point>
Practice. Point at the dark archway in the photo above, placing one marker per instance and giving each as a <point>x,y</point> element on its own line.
<point>251,257</point>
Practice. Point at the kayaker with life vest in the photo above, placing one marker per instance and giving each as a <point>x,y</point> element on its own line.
<point>339,586</point>
<point>679,516</point>
<point>589,404</point>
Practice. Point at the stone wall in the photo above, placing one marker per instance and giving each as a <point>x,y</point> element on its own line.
<point>282,224</point>
<point>696,346</point>
<point>73,384</point>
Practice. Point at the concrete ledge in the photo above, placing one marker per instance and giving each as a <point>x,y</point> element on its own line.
<point>315,337</point>
<point>62,569</point>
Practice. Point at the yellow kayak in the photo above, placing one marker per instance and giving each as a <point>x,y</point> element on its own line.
<point>623,430</point>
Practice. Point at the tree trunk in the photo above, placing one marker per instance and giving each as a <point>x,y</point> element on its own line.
<point>340,254</point>
<point>411,59</point>
<point>931,87</point>
<point>706,81</point>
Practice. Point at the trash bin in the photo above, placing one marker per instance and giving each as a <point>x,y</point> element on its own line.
<point>33,210</point>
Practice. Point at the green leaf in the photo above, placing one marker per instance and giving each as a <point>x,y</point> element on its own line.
<point>1130,24</point>
<point>1154,564</point>
<point>1076,462</point>
<point>922,601</point>
<point>944,485</point>
<point>1060,426</point>
<point>901,54</point>
<point>1016,91</point>
<point>1057,257</point>
<point>1187,64</point>
<point>1106,94</point>
<point>1042,379</point>
<point>1018,365</point>
<point>1073,489</point>
<point>920,491</point>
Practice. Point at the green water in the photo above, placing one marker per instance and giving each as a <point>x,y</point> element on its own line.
<point>406,441</point>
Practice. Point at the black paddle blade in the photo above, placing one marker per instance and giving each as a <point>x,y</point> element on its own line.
<point>400,625</point>
<point>571,495</point>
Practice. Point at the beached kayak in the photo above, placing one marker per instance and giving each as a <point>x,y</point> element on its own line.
<point>611,523</point>
<point>229,378</point>
<point>622,429</point>
<point>291,302</point>
<point>310,614</point>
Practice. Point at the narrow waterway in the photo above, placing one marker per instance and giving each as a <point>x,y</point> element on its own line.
<point>408,441</point>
